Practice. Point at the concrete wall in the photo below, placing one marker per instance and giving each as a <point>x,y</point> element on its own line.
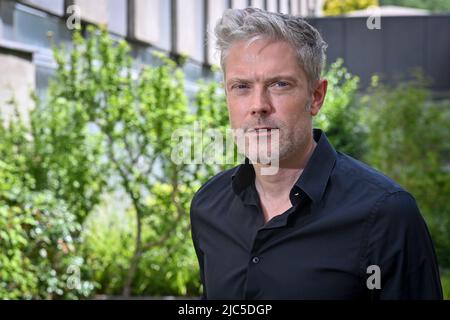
<point>190,33</point>
<point>151,23</point>
<point>215,10</point>
<point>92,11</point>
<point>17,81</point>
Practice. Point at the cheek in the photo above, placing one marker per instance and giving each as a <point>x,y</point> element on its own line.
<point>236,111</point>
<point>290,110</point>
<point>235,115</point>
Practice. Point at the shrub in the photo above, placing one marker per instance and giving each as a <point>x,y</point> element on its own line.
<point>38,244</point>
<point>340,116</point>
<point>408,140</point>
<point>337,7</point>
<point>108,241</point>
<point>445,279</point>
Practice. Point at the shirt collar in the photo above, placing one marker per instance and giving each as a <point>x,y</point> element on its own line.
<point>316,174</point>
<point>312,181</point>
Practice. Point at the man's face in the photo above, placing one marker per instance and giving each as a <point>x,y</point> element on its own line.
<point>267,89</point>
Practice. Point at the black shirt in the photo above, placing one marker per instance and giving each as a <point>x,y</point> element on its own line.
<point>345,217</point>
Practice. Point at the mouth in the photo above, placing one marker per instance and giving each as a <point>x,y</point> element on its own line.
<point>262,130</point>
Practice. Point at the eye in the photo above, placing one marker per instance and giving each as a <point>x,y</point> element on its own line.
<point>240,86</point>
<point>281,84</point>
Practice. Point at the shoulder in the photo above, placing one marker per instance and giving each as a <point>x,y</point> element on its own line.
<point>390,203</point>
<point>397,211</point>
<point>364,177</point>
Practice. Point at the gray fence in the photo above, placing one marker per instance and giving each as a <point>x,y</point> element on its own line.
<point>401,45</point>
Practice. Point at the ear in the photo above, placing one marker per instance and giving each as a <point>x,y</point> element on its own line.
<point>318,96</point>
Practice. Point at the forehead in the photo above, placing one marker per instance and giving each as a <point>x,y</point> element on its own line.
<point>262,57</point>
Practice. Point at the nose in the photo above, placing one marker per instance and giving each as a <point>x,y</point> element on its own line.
<point>260,103</point>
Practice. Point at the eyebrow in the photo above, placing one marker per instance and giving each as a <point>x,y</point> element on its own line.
<point>271,79</point>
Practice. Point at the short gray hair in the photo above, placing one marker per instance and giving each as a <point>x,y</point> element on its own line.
<point>252,23</point>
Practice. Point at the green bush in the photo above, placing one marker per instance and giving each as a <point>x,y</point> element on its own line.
<point>432,5</point>
<point>445,280</point>
<point>171,269</point>
<point>339,117</point>
<point>38,245</point>
<point>124,117</point>
<point>336,7</point>
<point>108,242</point>
<point>408,139</point>
<point>107,127</point>
<point>107,245</point>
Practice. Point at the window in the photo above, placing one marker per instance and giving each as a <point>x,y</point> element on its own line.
<point>31,27</point>
<point>52,6</point>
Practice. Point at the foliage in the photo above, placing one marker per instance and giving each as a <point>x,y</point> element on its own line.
<point>212,112</point>
<point>339,116</point>
<point>90,185</point>
<point>68,149</point>
<point>445,279</point>
<point>337,7</point>
<point>133,118</point>
<point>107,245</point>
<point>408,140</point>
<point>108,241</point>
<point>129,114</point>
<point>38,246</point>
<point>175,263</point>
<point>432,5</point>
<point>169,269</point>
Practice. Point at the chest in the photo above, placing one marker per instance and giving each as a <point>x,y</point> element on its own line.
<point>304,261</point>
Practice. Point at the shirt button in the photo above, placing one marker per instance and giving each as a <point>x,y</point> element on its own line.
<point>255,260</point>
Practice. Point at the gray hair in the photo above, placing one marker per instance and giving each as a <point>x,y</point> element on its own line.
<point>252,23</point>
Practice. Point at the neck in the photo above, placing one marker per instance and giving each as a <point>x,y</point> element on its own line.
<point>278,186</point>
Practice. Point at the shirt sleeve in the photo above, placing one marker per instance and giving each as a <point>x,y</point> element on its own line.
<point>198,251</point>
<point>399,243</point>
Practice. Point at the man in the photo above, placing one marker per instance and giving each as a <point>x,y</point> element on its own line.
<point>324,226</point>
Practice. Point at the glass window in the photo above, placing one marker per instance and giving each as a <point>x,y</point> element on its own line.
<point>43,76</point>
<point>32,27</point>
<point>53,6</point>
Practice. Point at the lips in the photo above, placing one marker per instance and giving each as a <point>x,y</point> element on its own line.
<point>262,129</point>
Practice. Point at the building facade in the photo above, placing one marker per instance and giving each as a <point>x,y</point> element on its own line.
<point>177,27</point>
